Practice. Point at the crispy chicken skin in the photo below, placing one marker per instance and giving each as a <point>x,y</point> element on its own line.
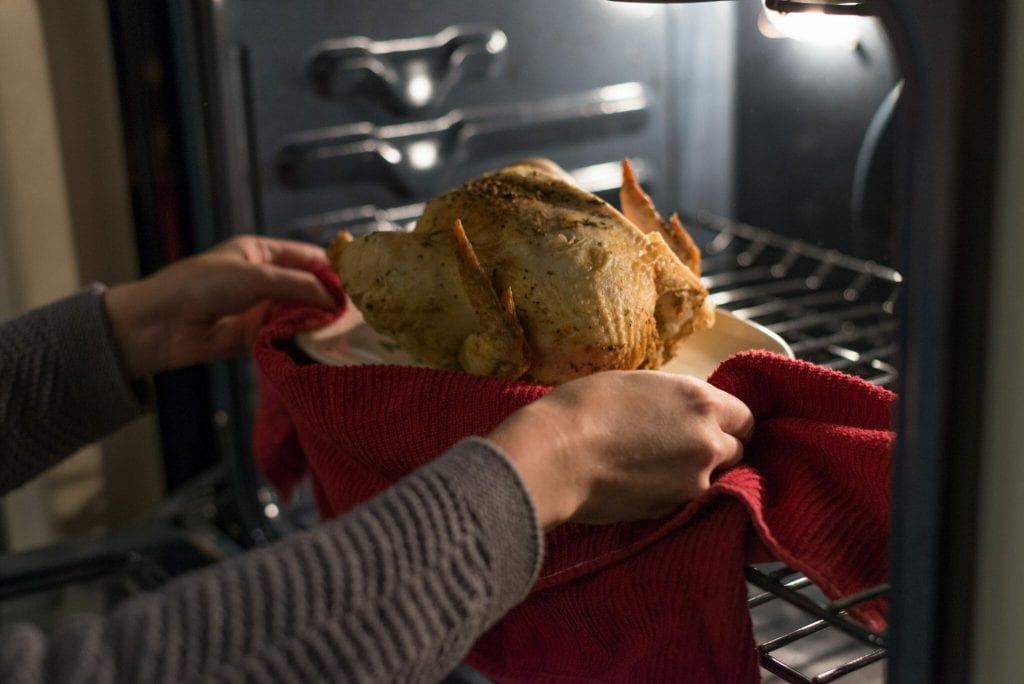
<point>522,274</point>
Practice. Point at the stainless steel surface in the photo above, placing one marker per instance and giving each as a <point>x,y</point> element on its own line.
<point>406,157</point>
<point>412,74</point>
<point>320,109</point>
<point>603,179</point>
<point>804,637</point>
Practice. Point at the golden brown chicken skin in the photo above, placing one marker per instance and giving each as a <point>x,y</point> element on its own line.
<point>521,273</point>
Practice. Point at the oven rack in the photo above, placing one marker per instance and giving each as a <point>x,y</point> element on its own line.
<point>837,311</point>
<point>834,310</point>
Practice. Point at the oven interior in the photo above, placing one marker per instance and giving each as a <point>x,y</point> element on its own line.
<point>297,119</point>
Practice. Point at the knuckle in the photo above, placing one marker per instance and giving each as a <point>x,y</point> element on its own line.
<point>696,393</point>
<point>268,273</point>
<point>687,385</point>
<point>705,407</point>
<point>239,242</point>
<point>247,246</point>
<point>711,449</point>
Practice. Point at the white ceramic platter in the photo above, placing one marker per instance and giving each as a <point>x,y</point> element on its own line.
<point>350,341</point>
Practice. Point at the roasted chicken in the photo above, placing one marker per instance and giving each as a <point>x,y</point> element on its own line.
<point>521,273</point>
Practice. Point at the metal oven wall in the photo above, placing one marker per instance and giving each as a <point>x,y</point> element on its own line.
<point>803,112</point>
<point>384,104</point>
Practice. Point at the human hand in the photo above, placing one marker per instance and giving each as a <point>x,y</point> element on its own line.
<point>623,446</point>
<point>209,306</point>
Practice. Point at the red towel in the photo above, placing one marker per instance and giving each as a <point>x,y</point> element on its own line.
<point>639,602</point>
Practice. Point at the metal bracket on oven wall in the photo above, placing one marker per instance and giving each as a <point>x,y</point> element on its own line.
<point>408,75</point>
<point>405,157</point>
<point>600,179</point>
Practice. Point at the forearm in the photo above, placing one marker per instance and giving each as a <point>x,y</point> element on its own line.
<point>396,590</point>
<point>61,385</point>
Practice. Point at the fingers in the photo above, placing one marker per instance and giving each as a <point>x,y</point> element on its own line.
<point>265,269</point>
<point>275,251</point>
<point>733,416</point>
<point>287,284</point>
<point>732,452</point>
<point>292,254</point>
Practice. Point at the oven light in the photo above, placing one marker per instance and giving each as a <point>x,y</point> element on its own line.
<point>422,155</point>
<point>639,10</point>
<point>812,26</point>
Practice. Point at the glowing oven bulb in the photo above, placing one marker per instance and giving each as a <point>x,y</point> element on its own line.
<point>637,10</point>
<point>813,26</point>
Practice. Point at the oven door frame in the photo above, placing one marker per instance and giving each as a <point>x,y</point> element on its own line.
<point>945,185</point>
<point>945,206</point>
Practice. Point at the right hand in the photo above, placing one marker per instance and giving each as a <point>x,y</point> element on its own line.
<point>623,446</point>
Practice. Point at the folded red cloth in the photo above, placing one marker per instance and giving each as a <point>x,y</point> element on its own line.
<point>639,602</point>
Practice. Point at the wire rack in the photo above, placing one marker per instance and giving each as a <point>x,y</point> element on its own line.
<point>833,309</point>
<point>836,311</point>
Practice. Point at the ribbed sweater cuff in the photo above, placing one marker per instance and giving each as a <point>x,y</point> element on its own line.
<point>95,361</point>
<point>62,385</point>
<point>496,494</point>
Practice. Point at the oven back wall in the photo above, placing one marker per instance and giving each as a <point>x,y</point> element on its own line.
<point>803,110</point>
<point>368,107</point>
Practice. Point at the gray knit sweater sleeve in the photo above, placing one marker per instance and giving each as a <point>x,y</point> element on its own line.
<point>396,590</point>
<point>61,385</point>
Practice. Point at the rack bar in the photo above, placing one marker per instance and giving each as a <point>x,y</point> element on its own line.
<point>836,618</point>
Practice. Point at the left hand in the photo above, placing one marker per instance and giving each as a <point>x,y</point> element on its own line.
<point>209,306</point>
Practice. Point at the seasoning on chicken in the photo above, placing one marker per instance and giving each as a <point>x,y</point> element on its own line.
<point>521,273</point>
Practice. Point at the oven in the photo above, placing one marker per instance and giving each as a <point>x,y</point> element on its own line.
<point>836,161</point>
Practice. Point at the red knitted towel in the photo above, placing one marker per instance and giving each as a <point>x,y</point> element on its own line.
<point>644,602</point>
